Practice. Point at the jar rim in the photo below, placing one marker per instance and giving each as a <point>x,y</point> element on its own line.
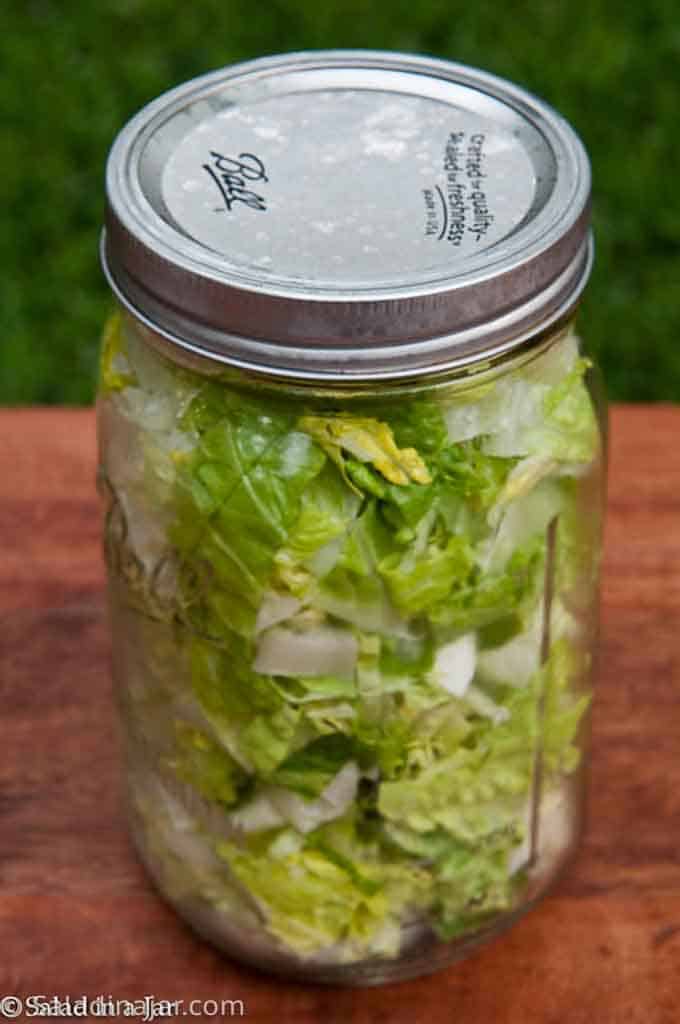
<point>185,351</point>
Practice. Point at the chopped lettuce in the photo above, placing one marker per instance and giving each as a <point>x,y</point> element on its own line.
<point>542,410</point>
<point>115,371</point>
<point>203,763</point>
<point>310,770</point>
<point>370,441</point>
<point>474,884</point>
<point>239,496</point>
<point>247,712</point>
<point>317,898</point>
<point>418,583</point>
<point>352,695</point>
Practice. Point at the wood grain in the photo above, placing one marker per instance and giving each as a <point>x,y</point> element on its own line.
<point>77,916</point>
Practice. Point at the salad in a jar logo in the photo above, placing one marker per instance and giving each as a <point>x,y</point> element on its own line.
<point>235,177</point>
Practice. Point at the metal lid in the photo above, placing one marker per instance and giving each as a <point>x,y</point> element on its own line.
<point>347,214</point>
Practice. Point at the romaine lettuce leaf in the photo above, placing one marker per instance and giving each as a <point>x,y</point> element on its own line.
<point>473,791</point>
<point>418,423</point>
<point>206,766</point>
<point>561,681</point>
<point>353,590</point>
<point>473,885</point>
<point>419,583</point>
<point>327,510</point>
<point>247,712</point>
<point>115,372</point>
<point>334,891</point>
<point>543,409</point>
<point>308,902</point>
<point>368,440</point>
<point>488,597</point>
<point>239,497</point>
<point>308,771</point>
<point>556,422</point>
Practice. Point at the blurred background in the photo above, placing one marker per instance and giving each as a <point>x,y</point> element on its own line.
<point>72,74</point>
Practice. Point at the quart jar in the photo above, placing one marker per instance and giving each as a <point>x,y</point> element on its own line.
<point>353,468</point>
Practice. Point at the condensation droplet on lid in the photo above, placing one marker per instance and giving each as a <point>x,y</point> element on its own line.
<point>270,131</point>
<point>377,144</point>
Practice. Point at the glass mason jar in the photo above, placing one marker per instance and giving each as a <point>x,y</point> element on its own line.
<point>353,470</point>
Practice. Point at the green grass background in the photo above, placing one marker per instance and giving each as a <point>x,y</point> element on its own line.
<point>73,72</point>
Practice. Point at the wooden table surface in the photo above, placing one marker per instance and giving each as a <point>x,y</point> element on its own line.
<point>77,915</point>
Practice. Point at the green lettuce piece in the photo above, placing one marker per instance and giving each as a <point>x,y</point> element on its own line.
<point>336,890</point>
<point>551,418</point>
<point>512,659</point>
<point>467,792</point>
<point>440,575</point>
<point>410,654</point>
<point>471,474</point>
<point>475,791</point>
<point>465,483</point>
<point>253,721</point>
<point>315,689</point>
<point>386,737</point>
<point>473,885</point>
<point>206,766</point>
<point>364,480</point>
<point>428,847</point>
<point>308,771</point>
<point>405,507</point>
<point>418,423</point>
<point>464,792</point>
<point>368,440</point>
<point>408,726</point>
<point>579,532</point>
<point>569,413</point>
<point>523,477</point>
<point>524,522</point>
<point>268,739</point>
<point>417,583</point>
<point>473,880</point>
<point>440,526</point>
<point>353,590</point>
<point>327,509</point>
<point>369,886</point>
<point>560,680</point>
<point>308,902</point>
<point>358,598</point>
<point>439,728</point>
<point>488,598</point>
<point>329,717</point>
<point>115,371</point>
<point>367,541</point>
<point>239,497</point>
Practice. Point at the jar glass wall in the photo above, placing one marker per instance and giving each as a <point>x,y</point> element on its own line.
<point>353,636</point>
